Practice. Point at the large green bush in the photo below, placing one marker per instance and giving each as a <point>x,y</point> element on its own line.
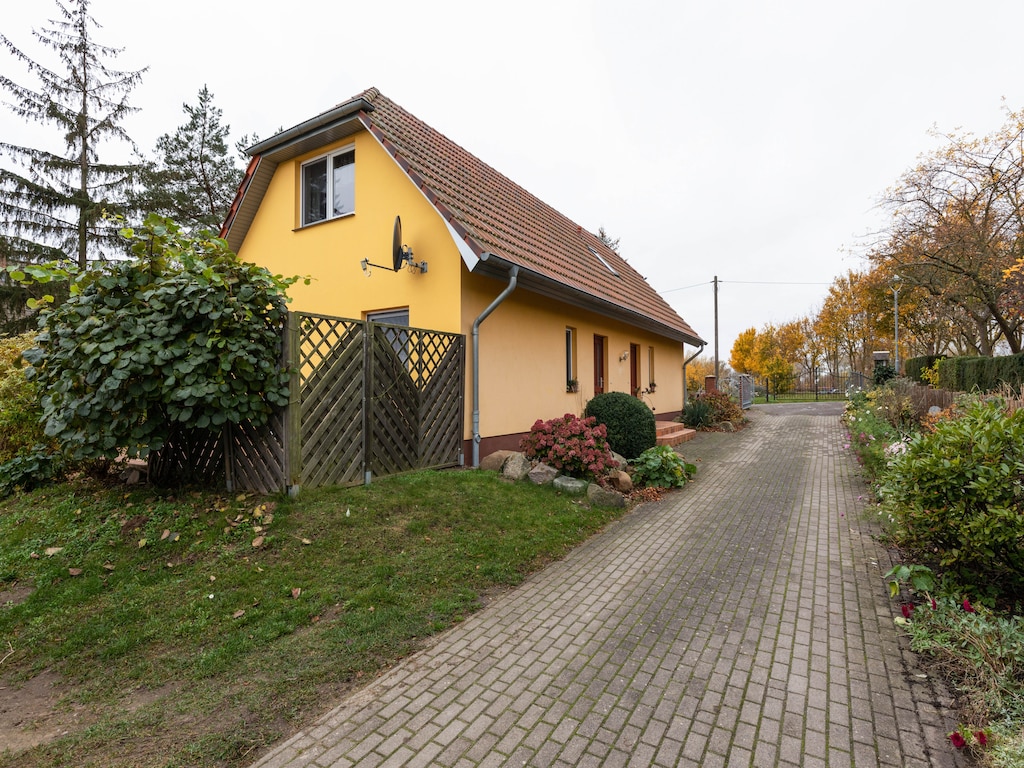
<point>630,423</point>
<point>956,493</point>
<point>184,334</point>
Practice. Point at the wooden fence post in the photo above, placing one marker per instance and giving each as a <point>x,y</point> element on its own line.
<point>293,412</point>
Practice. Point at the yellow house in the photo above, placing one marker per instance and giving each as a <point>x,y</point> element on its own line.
<point>554,314</point>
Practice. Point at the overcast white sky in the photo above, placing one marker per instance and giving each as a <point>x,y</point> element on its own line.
<point>748,139</point>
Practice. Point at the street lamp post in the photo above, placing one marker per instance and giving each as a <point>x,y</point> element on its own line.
<point>896,317</point>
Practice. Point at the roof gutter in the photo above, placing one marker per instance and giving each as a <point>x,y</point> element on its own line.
<point>547,286</point>
<point>513,279</point>
<point>340,112</point>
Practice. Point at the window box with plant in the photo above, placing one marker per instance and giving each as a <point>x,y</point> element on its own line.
<point>571,385</point>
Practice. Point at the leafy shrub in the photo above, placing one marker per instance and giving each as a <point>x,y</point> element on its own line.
<point>630,423</point>
<point>710,408</point>
<point>883,372</point>
<point>578,447</point>
<point>957,492</point>
<point>183,334</point>
<point>916,368</point>
<point>698,414</point>
<point>893,405</point>
<point>30,470</point>
<point>872,438</point>
<point>20,413</point>
<point>982,652</point>
<point>661,467</point>
<point>723,407</point>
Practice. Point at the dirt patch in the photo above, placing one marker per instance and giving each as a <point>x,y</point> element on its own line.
<point>31,712</point>
<point>14,594</point>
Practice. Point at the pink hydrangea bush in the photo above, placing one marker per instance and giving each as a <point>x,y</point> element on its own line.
<point>574,446</point>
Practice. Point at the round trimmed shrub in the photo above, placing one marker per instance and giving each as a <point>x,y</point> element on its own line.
<point>630,423</point>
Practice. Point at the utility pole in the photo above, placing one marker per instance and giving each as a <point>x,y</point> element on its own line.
<point>716,330</point>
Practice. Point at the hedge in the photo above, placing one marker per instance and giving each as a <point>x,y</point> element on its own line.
<point>967,374</point>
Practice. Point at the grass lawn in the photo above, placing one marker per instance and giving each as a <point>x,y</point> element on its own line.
<point>146,628</point>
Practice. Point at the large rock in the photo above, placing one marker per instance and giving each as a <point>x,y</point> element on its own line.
<point>495,461</point>
<point>620,459</point>
<point>516,467</point>
<point>604,497</point>
<point>620,481</point>
<point>542,474</point>
<point>570,485</point>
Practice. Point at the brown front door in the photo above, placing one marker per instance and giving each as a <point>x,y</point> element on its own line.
<point>634,369</point>
<point>600,345</point>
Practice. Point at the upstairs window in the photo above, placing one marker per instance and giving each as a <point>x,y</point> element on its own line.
<point>329,187</point>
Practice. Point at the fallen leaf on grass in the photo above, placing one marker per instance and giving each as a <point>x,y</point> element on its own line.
<point>238,614</point>
<point>165,534</point>
<point>75,571</point>
<point>108,566</point>
<point>142,543</point>
<point>258,541</point>
<point>296,592</point>
<point>51,551</point>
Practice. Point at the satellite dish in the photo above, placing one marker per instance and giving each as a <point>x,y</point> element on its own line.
<point>397,255</point>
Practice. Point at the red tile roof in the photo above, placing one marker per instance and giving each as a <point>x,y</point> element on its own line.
<point>496,216</point>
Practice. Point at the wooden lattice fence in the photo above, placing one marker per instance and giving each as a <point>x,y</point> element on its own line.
<point>367,400</point>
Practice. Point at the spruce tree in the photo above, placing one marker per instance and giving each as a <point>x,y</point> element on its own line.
<point>194,178</point>
<point>52,203</point>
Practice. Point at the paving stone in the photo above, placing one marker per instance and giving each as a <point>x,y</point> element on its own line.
<point>741,620</point>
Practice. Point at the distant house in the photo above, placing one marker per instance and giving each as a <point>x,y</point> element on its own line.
<point>559,315</point>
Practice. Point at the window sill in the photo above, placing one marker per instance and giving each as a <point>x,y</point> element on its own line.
<point>323,221</point>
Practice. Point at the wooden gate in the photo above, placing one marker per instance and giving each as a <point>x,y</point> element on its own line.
<point>373,400</point>
<point>367,400</point>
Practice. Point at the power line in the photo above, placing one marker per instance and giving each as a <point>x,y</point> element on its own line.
<point>767,282</point>
<point>688,287</point>
<point>739,282</point>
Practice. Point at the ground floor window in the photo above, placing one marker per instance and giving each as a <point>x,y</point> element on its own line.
<point>571,377</point>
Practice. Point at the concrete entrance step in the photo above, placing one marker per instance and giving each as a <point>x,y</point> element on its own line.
<point>673,433</point>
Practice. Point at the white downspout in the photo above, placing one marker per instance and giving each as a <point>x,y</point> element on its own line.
<point>513,278</point>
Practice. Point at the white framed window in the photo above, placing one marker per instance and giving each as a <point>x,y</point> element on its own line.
<point>329,186</point>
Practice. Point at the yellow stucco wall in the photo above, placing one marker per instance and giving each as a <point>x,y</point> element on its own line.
<point>330,252</point>
<point>522,343</point>
<point>522,358</point>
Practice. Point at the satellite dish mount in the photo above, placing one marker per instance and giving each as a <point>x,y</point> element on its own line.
<point>401,254</point>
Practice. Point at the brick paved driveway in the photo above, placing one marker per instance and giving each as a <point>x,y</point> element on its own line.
<point>740,621</point>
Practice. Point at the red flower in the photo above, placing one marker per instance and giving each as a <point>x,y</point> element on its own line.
<point>934,604</point>
<point>907,609</point>
<point>981,737</point>
<point>967,606</point>
<point>957,739</point>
